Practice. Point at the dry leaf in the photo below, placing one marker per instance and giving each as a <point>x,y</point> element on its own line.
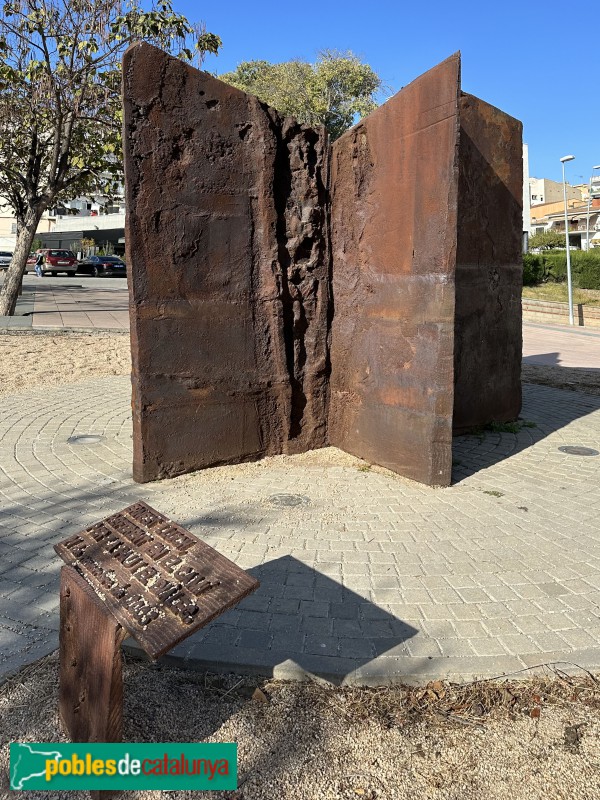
<point>535,713</point>
<point>359,791</point>
<point>260,696</point>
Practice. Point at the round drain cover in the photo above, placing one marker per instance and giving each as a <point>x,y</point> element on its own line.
<point>289,500</point>
<point>85,438</point>
<point>578,450</point>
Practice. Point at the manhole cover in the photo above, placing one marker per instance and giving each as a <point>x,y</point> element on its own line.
<point>85,438</point>
<point>289,500</point>
<point>578,450</point>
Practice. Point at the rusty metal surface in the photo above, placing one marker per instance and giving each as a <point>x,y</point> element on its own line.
<point>160,582</point>
<point>393,224</point>
<point>270,316</point>
<point>488,330</point>
<point>228,267</point>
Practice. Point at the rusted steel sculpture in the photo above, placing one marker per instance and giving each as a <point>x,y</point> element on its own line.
<point>286,295</point>
<point>426,246</point>
<point>229,263</point>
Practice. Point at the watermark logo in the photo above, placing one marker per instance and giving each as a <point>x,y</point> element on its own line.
<point>169,766</point>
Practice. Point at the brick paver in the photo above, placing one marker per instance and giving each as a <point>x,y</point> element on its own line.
<point>365,576</point>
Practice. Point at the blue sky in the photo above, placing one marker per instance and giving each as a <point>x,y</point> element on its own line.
<point>532,60</point>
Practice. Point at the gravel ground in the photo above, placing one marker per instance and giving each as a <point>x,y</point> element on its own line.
<point>510,741</point>
<point>303,741</point>
<point>32,359</point>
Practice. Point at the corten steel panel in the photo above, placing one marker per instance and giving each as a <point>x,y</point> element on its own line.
<point>228,271</point>
<point>488,331</point>
<point>394,183</point>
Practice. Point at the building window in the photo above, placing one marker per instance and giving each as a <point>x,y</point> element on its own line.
<point>13,227</point>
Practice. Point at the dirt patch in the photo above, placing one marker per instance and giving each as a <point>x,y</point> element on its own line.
<point>513,740</point>
<point>30,359</point>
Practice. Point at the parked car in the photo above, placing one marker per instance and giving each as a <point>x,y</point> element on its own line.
<point>5,259</point>
<point>56,261</point>
<point>102,266</point>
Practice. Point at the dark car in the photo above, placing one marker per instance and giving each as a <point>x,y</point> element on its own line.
<point>100,266</point>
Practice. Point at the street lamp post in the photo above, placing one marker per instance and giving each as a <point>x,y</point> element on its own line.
<point>587,237</point>
<point>569,283</point>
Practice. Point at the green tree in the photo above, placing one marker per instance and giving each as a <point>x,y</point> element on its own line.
<point>547,240</point>
<point>60,106</point>
<point>333,91</point>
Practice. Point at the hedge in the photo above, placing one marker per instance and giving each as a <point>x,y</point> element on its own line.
<point>551,266</point>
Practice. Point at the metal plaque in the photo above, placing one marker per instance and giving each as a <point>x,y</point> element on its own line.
<point>157,579</point>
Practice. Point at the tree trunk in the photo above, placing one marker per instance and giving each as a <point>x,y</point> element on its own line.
<point>14,273</point>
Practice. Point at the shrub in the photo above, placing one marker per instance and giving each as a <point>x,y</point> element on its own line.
<point>547,240</point>
<point>551,266</point>
<point>555,266</point>
<point>533,269</point>
<point>587,270</point>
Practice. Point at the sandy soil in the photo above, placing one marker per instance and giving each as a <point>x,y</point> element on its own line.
<point>512,741</point>
<point>32,359</point>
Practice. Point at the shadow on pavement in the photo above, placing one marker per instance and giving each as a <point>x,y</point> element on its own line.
<point>545,410</point>
<point>543,359</point>
<point>305,622</point>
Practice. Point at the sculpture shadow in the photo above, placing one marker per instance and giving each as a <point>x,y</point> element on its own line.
<point>545,410</point>
<point>301,623</point>
<point>543,359</point>
<point>31,293</point>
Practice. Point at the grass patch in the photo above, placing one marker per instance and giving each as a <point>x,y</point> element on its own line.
<point>557,292</point>
<point>501,427</point>
<point>493,492</point>
<point>504,427</point>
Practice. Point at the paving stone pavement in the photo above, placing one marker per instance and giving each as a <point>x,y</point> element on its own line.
<point>365,577</point>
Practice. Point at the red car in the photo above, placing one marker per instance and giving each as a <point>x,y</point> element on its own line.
<point>55,261</point>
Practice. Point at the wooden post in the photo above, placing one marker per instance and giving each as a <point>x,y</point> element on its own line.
<point>91,679</point>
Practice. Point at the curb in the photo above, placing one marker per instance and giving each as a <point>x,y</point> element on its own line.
<point>381,671</point>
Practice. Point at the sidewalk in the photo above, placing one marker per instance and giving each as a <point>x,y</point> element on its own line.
<point>365,577</point>
<point>561,346</point>
<point>77,302</point>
